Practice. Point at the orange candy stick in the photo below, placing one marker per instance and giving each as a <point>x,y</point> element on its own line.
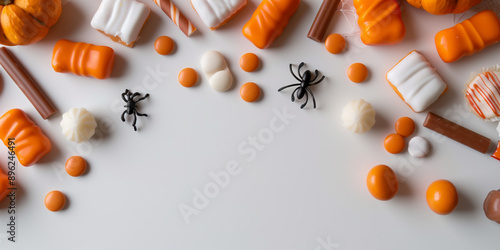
<point>83,59</point>
<point>380,21</point>
<point>30,142</point>
<point>468,37</point>
<point>268,21</point>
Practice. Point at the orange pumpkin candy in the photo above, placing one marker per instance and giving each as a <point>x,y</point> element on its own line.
<point>24,22</point>
<point>441,7</point>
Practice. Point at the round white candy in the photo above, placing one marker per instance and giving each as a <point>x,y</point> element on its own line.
<point>358,116</point>
<point>78,125</point>
<point>215,68</point>
<point>419,147</point>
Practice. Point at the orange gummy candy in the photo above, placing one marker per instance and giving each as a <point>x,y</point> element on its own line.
<point>468,37</point>
<point>268,21</point>
<point>4,185</point>
<point>380,21</point>
<point>83,59</point>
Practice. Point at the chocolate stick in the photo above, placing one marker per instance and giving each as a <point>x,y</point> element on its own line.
<point>27,85</point>
<point>323,19</point>
<point>457,133</point>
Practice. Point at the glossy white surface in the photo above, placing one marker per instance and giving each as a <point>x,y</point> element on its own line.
<point>295,179</point>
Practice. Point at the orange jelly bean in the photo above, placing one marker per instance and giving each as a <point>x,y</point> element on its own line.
<point>164,45</point>
<point>405,126</point>
<point>188,77</point>
<point>468,37</point>
<point>442,197</point>
<point>249,62</point>
<point>75,166</point>
<point>335,43</point>
<point>83,59</point>
<point>250,92</point>
<point>357,72</point>
<point>55,201</point>
<point>382,182</point>
<point>394,144</point>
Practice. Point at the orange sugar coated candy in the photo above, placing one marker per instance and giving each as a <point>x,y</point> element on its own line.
<point>335,43</point>
<point>55,201</point>
<point>164,45</point>
<point>405,126</point>
<point>394,144</point>
<point>75,166</point>
<point>249,62</point>
<point>357,72</point>
<point>382,182</point>
<point>188,77</point>
<point>250,92</point>
<point>442,197</point>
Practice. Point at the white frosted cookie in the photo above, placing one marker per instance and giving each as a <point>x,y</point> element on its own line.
<point>215,68</point>
<point>78,125</point>
<point>483,93</point>
<point>416,81</point>
<point>214,13</point>
<point>122,20</point>
<point>419,147</point>
<point>358,116</point>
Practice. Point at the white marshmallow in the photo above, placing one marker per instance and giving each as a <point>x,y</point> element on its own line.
<point>358,116</point>
<point>419,147</point>
<point>215,68</point>
<point>78,125</point>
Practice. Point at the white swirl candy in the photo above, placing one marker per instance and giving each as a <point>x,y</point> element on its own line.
<point>358,116</point>
<point>78,125</point>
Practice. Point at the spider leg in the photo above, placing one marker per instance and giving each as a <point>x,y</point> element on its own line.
<point>293,93</point>
<point>135,121</point>
<point>316,74</point>
<point>142,98</point>
<point>291,71</point>
<point>307,99</point>
<point>123,95</point>
<point>123,115</point>
<point>287,86</point>
<point>320,80</point>
<point>300,67</point>
<point>312,95</point>
<point>134,95</point>
<point>140,114</point>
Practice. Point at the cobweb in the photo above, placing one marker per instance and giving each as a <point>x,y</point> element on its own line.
<point>346,8</point>
<point>493,5</point>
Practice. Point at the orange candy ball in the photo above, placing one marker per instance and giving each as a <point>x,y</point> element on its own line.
<point>405,126</point>
<point>164,45</point>
<point>188,77</point>
<point>75,166</point>
<point>382,182</point>
<point>357,72</point>
<point>250,92</point>
<point>442,197</point>
<point>249,62</point>
<point>335,43</point>
<point>55,201</point>
<point>394,144</point>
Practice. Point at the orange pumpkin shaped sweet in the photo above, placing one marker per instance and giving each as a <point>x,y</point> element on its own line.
<point>24,22</point>
<point>441,7</point>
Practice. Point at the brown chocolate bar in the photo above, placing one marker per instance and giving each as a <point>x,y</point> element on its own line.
<point>457,132</point>
<point>323,19</point>
<point>27,85</point>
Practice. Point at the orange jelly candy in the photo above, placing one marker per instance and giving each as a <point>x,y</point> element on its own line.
<point>394,144</point>
<point>75,166</point>
<point>55,201</point>
<point>335,43</point>
<point>357,72</point>
<point>405,126</point>
<point>164,45</point>
<point>250,92</point>
<point>249,62</point>
<point>4,185</point>
<point>188,77</point>
<point>83,59</point>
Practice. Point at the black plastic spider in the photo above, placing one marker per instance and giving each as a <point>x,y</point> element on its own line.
<point>131,105</point>
<point>303,86</point>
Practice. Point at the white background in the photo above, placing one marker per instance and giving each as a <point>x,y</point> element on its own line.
<point>305,189</point>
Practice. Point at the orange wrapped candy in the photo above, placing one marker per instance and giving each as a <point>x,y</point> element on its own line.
<point>268,21</point>
<point>30,142</point>
<point>380,21</point>
<point>4,185</point>
<point>469,36</point>
<point>83,59</point>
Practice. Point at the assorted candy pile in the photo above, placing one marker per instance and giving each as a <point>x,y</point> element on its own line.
<point>413,78</point>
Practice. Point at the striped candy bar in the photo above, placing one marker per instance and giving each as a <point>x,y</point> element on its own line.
<point>179,19</point>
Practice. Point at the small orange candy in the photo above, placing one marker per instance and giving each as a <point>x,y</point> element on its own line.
<point>250,92</point>
<point>357,72</point>
<point>75,166</point>
<point>335,43</point>
<point>405,126</point>
<point>188,77</point>
<point>164,45</point>
<point>249,62</point>
<point>442,197</point>
<point>394,144</point>
<point>382,182</point>
<point>55,201</point>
